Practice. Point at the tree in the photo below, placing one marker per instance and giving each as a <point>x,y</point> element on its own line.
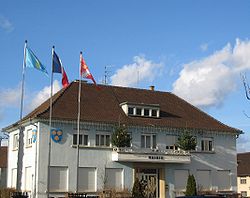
<point>138,189</point>
<point>191,186</point>
<point>120,137</point>
<point>186,141</point>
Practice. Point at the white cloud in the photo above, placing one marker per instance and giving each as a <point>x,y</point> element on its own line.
<point>208,81</point>
<point>5,24</point>
<point>243,143</point>
<point>204,47</point>
<point>141,70</point>
<point>10,97</point>
<point>43,95</point>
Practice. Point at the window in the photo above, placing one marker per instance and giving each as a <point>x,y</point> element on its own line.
<point>83,139</point>
<point>204,179</point>
<point>207,144</point>
<point>146,112</point>
<point>28,178</point>
<point>130,111</point>
<point>15,141</point>
<point>58,179</point>
<point>223,179</point>
<point>243,180</point>
<point>29,138</point>
<point>180,177</point>
<point>138,111</point>
<point>87,179</point>
<point>102,140</point>
<point>154,113</point>
<point>171,141</point>
<point>114,178</point>
<point>13,177</point>
<point>243,193</point>
<point>148,141</point>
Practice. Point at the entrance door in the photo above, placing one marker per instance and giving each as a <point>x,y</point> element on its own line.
<point>149,177</point>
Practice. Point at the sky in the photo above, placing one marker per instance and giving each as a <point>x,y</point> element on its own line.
<point>195,49</point>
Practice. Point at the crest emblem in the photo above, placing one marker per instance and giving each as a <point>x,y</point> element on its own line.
<point>34,135</point>
<point>56,135</point>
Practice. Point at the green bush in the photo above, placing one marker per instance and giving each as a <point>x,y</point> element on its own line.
<point>191,186</point>
<point>187,141</point>
<point>138,189</point>
<point>120,137</point>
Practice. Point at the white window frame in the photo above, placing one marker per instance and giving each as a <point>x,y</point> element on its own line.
<point>65,168</point>
<point>15,141</point>
<point>206,143</point>
<point>243,180</point>
<point>98,142</point>
<point>151,137</point>
<point>29,138</point>
<point>83,139</point>
<point>121,171</point>
<point>80,186</point>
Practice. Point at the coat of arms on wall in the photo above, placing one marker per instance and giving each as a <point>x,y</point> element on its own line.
<point>34,135</point>
<point>56,135</point>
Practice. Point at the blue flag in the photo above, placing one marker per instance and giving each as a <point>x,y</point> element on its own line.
<point>32,61</point>
<point>57,64</point>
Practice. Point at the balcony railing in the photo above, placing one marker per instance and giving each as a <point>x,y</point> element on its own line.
<point>129,154</point>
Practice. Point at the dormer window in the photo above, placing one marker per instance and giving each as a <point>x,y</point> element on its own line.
<point>146,112</point>
<point>130,111</point>
<point>141,110</point>
<point>138,111</point>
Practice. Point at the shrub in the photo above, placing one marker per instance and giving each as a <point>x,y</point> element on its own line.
<point>138,189</point>
<point>6,192</point>
<point>186,141</point>
<point>191,186</point>
<point>120,137</point>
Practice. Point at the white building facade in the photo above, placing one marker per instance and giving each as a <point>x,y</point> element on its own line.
<point>152,156</point>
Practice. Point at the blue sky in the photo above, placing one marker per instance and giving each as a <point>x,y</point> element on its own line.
<point>196,49</point>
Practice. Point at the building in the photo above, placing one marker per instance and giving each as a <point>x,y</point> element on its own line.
<point>3,166</point>
<point>243,174</point>
<point>153,119</point>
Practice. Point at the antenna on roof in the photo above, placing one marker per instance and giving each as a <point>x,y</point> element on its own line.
<point>106,75</point>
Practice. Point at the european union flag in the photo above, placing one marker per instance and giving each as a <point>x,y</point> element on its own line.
<point>32,61</point>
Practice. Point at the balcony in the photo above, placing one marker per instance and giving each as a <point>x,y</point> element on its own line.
<point>150,155</point>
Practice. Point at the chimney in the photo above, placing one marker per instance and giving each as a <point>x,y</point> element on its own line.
<point>152,88</point>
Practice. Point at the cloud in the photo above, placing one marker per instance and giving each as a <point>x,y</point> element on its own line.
<point>10,97</point>
<point>206,82</point>
<point>139,71</point>
<point>5,24</point>
<point>43,95</point>
<point>204,47</point>
<point>243,143</point>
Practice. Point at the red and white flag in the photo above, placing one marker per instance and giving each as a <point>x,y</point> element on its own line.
<point>84,70</point>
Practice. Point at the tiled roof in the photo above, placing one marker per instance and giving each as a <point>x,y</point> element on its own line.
<point>103,105</point>
<point>3,156</point>
<point>243,160</point>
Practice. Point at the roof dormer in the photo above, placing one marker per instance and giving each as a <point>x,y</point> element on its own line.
<point>141,109</point>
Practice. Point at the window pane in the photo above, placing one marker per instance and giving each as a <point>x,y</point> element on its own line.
<point>107,140</point>
<point>210,146</point>
<point>87,179</point>
<point>203,179</point>
<point>97,143</point>
<point>180,177</point>
<point>28,178</point>
<point>58,179</point>
<point>146,112</point>
<point>114,178</point>
<point>102,140</point>
<point>74,139</point>
<point>223,180</point>
<point>148,145</point>
<point>86,140</point>
<point>13,177</point>
<point>154,112</point>
<point>143,141</point>
<point>154,141</point>
<point>138,111</point>
<point>80,139</point>
<point>130,110</point>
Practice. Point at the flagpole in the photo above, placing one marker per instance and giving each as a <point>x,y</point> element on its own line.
<point>78,123</point>
<point>50,121</point>
<point>20,141</point>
